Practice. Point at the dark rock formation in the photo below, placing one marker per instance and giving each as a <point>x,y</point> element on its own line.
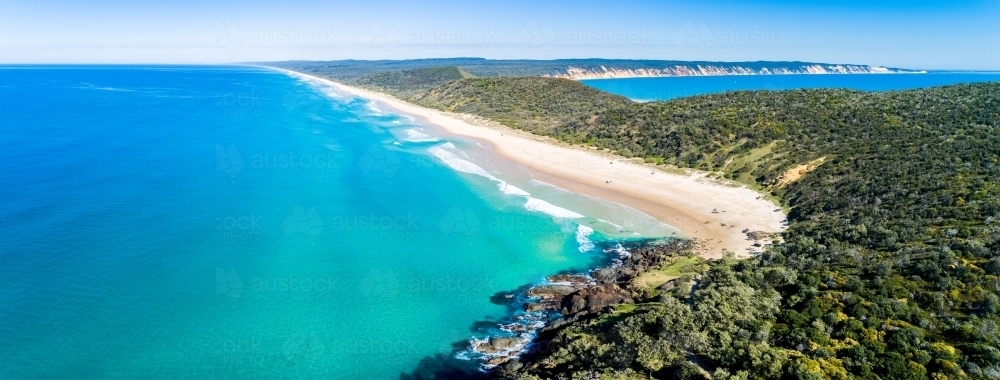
<point>595,298</point>
<point>547,292</point>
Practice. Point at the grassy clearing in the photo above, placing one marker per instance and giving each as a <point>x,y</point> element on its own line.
<point>681,266</point>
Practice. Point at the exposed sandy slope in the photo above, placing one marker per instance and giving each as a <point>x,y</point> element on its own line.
<point>683,201</point>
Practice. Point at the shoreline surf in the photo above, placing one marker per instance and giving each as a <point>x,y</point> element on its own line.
<point>702,208</point>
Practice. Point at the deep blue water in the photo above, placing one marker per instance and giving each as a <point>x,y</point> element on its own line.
<point>235,222</point>
<point>665,88</point>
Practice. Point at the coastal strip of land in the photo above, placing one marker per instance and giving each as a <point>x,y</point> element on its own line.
<point>717,213</point>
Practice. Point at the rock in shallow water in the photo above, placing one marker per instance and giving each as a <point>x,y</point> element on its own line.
<point>551,291</point>
<point>498,345</point>
<point>571,279</point>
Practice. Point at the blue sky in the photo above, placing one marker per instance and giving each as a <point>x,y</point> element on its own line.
<point>914,34</point>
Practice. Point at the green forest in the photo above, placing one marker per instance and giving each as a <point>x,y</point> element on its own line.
<point>890,266</point>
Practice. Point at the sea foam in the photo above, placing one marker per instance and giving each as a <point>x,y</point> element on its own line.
<point>507,188</point>
<point>583,238</point>
<point>455,162</point>
<point>413,135</point>
<point>535,204</point>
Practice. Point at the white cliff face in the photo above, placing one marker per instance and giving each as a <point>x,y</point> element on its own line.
<point>697,70</point>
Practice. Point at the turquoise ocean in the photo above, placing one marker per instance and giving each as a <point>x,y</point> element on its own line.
<point>237,222</point>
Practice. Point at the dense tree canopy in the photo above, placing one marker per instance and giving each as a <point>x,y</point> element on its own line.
<point>890,267</point>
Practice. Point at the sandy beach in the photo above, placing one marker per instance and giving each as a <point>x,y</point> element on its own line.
<point>714,212</point>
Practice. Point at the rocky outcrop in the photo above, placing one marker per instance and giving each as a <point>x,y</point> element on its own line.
<point>595,299</point>
<point>702,70</point>
<point>570,279</point>
<point>548,292</point>
<point>497,344</point>
<point>571,297</point>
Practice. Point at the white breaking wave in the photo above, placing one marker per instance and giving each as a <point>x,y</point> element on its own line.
<point>507,188</point>
<point>329,91</point>
<point>583,238</point>
<point>414,136</point>
<point>371,107</point>
<point>454,162</point>
<point>535,204</point>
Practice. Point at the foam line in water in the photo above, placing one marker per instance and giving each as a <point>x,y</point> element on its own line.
<point>454,162</point>
<point>605,221</point>
<point>507,188</point>
<point>535,204</point>
<point>583,238</point>
<point>413,136</point>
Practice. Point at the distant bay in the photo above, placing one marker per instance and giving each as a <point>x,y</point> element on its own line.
<point>666,88</point>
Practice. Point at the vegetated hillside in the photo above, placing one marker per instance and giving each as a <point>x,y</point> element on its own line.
<point>533,104</point>
<point>412,80</point>
<point>889,268</point>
